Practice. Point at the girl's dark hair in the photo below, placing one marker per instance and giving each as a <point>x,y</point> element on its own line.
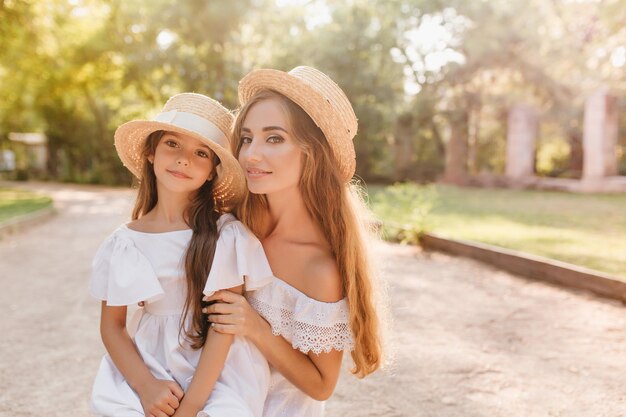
<point>201,215</point>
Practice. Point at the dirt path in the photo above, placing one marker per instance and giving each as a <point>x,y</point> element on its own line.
<point>469,340</point>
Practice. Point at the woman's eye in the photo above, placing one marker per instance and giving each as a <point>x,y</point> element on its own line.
<point>246,140</point>
<point>275,139</point>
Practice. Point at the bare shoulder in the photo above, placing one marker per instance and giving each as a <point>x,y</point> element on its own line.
<point>145,225</point>
<point>140,225</point>
<point>322,277</point>
<point>307,266</point>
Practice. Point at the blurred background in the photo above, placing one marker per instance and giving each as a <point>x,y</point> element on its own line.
<point>73,70</point>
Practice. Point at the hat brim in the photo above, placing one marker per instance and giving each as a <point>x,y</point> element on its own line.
<point>130,139</point>
<point>318,107</point>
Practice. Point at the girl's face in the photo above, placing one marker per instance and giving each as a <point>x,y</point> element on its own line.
<point>182,163</point>
<point>269,155</point>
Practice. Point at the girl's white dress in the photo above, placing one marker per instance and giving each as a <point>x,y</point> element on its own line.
<point>133,266</point>
<point>310,326</point>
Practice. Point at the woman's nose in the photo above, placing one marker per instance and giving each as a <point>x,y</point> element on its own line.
<point>252,151</point>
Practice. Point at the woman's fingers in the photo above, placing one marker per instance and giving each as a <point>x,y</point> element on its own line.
<point>219,308</point>
<point>223,328</point>
<point>222,319</point>
<point>223,296</point>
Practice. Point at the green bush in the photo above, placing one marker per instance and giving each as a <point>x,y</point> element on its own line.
<point>404,209</point>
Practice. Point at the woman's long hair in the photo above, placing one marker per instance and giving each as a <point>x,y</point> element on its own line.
<point>201,216</point>
<point>340,212</point>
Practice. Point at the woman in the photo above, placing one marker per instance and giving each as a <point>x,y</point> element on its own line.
<point>293,138</point>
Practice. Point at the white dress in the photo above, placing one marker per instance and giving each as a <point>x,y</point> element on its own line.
<point>133,266</point>
<point>310,326</point>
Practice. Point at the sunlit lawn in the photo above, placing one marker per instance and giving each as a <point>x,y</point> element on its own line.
<point>17,202</point>
<point>587,230</point>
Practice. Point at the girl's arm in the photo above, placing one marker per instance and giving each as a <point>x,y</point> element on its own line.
<point>315,375</point>
<point>209,367</point>
<point>159,398</point>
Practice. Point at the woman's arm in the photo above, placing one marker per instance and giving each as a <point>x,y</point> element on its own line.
<point>209,367</point>
<point>159,398</point>
<point>315,375</point>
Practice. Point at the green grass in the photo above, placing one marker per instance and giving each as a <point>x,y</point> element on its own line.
<point>582,229</point>
<point>14,202</point>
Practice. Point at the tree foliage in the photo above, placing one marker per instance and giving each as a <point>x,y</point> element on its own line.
<point>77,69</point>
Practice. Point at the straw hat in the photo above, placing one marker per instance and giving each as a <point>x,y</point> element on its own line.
<point>320,98</point>
<point>198,116</point>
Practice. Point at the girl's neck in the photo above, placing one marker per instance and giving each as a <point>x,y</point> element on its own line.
<point>169,211</point>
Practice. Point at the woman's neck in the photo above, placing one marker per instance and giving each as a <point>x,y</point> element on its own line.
<point>289,217</point>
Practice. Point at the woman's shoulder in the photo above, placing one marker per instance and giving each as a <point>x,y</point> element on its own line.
<point>321,279</point>
<point>309,267</point>
<point>308,323</point>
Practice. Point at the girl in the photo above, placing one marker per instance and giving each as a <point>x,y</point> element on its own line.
<point>178,248</point>
<point>293,137</point>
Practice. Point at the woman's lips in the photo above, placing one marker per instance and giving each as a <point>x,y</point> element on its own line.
<point>255,173</point>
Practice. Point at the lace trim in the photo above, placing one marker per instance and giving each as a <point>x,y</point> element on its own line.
<point>318,335</point>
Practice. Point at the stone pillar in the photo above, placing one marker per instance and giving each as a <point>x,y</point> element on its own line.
<point>456,151</point>
<point>600,136</point>
<point>522,128</point>
<point>403,147</point>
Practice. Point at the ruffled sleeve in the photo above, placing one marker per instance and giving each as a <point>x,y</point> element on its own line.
<point>309,325</point>
<point>239,259</point>
<point>121,275</point>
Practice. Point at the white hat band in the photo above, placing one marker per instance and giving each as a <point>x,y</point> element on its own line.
<point>194,123</point>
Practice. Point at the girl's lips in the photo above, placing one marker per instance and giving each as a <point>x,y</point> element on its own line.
<point>179,174</point>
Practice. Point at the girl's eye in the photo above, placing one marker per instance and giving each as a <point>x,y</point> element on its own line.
<point>171,143</point>
<point>202,154</point>
<point>275,139</point>
<point>246,140</point>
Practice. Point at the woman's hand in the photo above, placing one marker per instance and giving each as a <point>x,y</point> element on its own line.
<point>160,398</point>
<point>232,314</point>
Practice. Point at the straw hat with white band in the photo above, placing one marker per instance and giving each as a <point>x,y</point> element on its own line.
<point>195,115</point>
<point>320,98</point>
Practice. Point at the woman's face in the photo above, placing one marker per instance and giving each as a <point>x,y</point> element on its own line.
<point>182,163</point>
<point>269,155</point>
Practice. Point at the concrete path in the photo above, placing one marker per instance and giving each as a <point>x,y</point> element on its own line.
<point>468,340</point>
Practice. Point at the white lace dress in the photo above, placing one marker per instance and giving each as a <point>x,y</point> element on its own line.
<point>310,326</point>
<point>133,266</point>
